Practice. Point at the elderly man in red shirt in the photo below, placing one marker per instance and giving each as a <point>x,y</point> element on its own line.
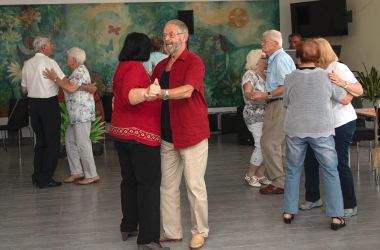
<point>185,133</point>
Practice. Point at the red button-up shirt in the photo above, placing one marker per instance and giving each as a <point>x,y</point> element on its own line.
<point>188,116</point>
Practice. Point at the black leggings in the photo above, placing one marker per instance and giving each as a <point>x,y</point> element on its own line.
<point>140,189</point>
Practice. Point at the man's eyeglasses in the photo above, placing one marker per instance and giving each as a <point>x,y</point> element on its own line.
<point>266,41</point>
<point>171,34</point>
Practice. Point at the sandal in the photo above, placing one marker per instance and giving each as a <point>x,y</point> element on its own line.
<point>287,220</point>
<point>337,226</point>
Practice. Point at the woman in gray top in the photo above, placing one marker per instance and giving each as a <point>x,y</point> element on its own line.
<point>309,121</point>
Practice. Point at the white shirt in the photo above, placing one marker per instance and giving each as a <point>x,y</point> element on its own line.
<point>34,81</point>
<point>342,113</point>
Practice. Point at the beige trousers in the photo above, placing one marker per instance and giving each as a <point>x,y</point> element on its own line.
<point>191,162</point>
<point>273,142</point>
<point>79,150</point>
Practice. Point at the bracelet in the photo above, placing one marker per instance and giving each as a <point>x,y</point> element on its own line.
<point>55,80</point>
<point>345,85</point>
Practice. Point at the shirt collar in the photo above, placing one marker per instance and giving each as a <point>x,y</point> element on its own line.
<point>183,55</point>
<point>271,57</point>
<point>40,54</point>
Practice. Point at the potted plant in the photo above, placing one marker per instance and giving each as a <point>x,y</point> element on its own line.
<point>370,81</point>
<point>96,133</point>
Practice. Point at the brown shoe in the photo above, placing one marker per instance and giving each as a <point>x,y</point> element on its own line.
<point>270,189</point>
<point>197,241</point>
<point>73,178</point>
<point>163,238</point>
<point>87,181</point>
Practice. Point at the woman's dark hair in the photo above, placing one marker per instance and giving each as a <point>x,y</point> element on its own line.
<point>308,51</point>
<point>136,48</point>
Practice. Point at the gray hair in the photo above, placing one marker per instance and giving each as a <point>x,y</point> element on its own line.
<point>78,54</point>
<point>274,35</point>
<point>40,42</point>
<point>181,25</point>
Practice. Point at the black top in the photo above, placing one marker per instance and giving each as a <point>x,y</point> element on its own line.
<point>166,131</point>
<point>302,68</point>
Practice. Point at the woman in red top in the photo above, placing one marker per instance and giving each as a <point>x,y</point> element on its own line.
<point>136,129</point>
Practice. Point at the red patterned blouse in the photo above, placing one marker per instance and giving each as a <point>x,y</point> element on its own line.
<point>140,122</point>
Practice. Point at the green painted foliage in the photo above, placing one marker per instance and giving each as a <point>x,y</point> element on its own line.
<point>225,31</point>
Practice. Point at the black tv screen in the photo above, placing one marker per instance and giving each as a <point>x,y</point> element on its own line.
<point>319,18</point>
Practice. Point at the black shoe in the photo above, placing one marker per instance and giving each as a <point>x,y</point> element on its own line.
<point>287,220</point>
<point>34,180</point>
<point>337,226</point>
<point>52,183</point>
<point>56,182</point>
<point>125,235</point>
<point>152,246</point>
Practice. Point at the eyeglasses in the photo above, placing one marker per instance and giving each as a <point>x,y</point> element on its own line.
<point>266,41</point>
<point>171,34</point>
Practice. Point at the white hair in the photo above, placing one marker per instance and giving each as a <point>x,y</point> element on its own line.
<point>253,58</point>
<point>40,42</point>
<point>78,54</point>
<point>274,35</point>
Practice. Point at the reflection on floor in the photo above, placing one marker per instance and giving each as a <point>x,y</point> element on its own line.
<point>87,217</point>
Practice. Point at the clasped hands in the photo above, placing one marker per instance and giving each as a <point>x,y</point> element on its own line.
<point>258,96</point>
<point>152,92</point>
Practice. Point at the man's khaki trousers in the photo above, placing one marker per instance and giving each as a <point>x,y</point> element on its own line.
<point>191,162</point>
<point>273,142</point>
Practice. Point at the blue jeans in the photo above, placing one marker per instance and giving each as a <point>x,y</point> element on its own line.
<point>343,138</point>
<point>324,150</point>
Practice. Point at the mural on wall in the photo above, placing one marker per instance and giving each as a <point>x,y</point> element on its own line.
<point>224,33</point>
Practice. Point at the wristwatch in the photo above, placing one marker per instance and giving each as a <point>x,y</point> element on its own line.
<point>166,95</point>
<point>269,95</point>
<point>345,84</point>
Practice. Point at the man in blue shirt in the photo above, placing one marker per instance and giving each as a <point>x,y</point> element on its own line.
<point>273,138</point>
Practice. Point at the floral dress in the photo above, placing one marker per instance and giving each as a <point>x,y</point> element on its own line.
<point>253,112</point>
<point>80,105</point>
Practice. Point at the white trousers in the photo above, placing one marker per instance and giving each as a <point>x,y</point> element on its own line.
<point>257,130</point>
<point>79,150</point>
<point>191,162</point>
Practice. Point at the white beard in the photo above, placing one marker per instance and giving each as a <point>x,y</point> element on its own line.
<point>171,48</point>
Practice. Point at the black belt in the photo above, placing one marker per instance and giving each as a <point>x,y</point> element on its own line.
<point>273,100</point>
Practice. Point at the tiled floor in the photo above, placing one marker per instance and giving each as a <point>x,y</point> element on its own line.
<point>87,217</point>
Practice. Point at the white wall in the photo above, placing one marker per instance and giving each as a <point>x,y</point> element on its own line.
<point>362,45</point>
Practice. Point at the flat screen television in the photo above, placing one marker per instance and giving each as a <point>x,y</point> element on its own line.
<point>319,18</point>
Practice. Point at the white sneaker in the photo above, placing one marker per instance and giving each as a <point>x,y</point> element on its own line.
<point>252,181</point>
<point>264,180</point>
